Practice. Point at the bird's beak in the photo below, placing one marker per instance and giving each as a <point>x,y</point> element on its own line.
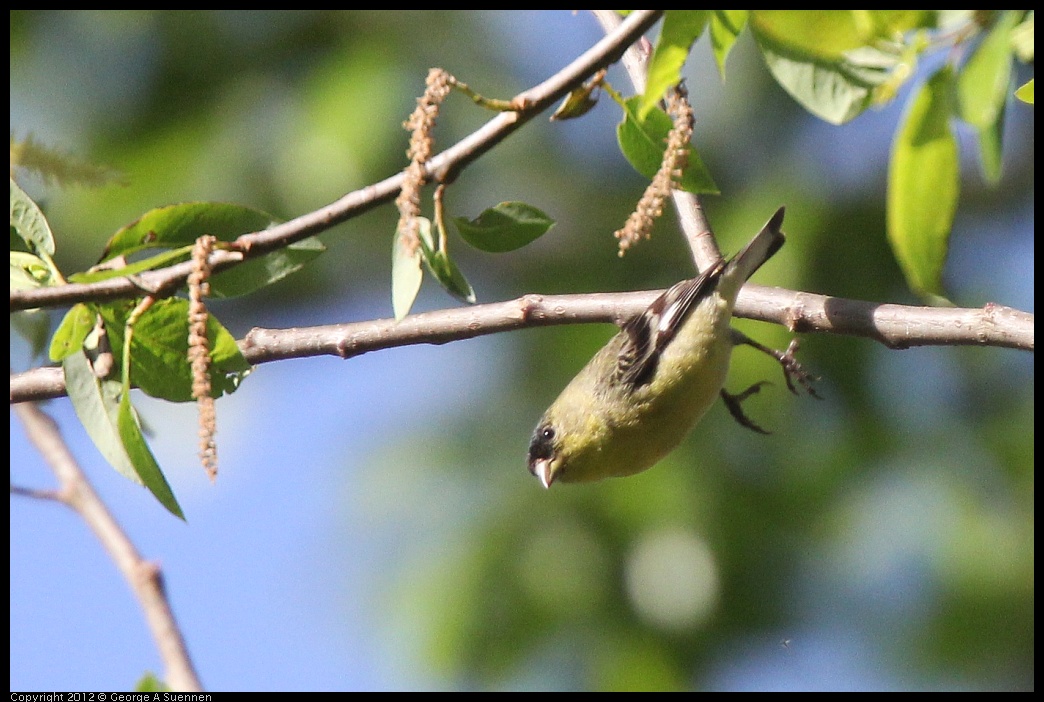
<point>541,468</point>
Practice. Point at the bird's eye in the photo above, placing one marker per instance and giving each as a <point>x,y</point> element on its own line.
<point>543,443</point>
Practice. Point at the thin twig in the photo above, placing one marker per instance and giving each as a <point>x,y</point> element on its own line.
<point>144,577</point>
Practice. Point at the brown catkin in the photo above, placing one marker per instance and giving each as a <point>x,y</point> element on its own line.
<point>420,124</point>
<point>649,208</point>
<point>199,352</point>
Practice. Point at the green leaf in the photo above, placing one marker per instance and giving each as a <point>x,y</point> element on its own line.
<point>96,402</point>
<point>504,227</point>
<point>830,35</point>
<point>725,28</point>
<point>823,88</point>
<point>406,273</point>
<point>576,104</point>
<point>243,279</point>
<point>151,683</point>
<point>828,60</point>
<point>1022,39</point>
<point>923,185</point>
<point>29,222</point>
<point>991,149</point>
<point>159,350</point>
<point>680,30</point>
<point>643,141</point>
<point>265,270</point>
<point>985,78</point>
<point>983,85</point>
<point>442,267</point>
<point>180,225</point>
<point>72,332</point>
<point>167,258</point>
<point>104,409</point>
<point>1025,92</point>
<point>141,457</point>
<point>29,271</point>
<point>132,441</point>
<point>450,277</point>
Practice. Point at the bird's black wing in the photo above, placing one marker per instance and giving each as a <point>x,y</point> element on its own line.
<point>648,334</point>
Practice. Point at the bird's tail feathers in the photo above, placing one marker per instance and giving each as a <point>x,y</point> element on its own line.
<point>760,249</point>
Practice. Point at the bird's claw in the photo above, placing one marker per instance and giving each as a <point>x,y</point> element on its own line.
<point>793,370</point>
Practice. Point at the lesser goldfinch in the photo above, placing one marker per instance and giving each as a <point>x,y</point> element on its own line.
<point>639,396</point>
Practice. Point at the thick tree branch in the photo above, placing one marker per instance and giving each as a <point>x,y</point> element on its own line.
<point>895,326</point>
<point>144,577</point>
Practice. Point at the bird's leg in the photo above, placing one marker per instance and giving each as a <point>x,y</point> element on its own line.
<point>733,404</point>
<point>792,369</point>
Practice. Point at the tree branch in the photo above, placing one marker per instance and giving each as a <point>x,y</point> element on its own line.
<point>895,326</point>
<point>145,578</point>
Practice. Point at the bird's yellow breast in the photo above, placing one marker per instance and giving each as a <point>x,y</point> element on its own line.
<point>620,436</point>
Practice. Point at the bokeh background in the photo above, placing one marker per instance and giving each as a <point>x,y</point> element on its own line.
<point>374,526</point>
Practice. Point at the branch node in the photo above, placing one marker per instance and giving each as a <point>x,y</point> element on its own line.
<point>530,305</point>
